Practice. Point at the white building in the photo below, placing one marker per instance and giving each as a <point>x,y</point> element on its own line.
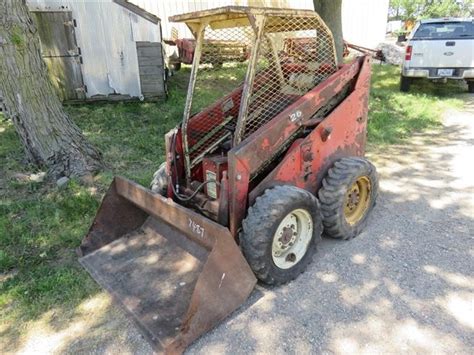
<point>364,22</point>
<point>107,49</point>
<point>112,49</point>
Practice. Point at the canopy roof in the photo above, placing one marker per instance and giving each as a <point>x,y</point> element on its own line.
<point>238,16</point>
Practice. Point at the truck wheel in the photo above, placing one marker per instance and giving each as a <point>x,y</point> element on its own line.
<point>280,233</point>
<point>159,184</point>
<point>405,83</point>
<point>347,196</point>
<point>470,87</point>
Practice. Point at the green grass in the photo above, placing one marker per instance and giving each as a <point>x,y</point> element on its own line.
<point>394,116</point>
<point>40,225</point>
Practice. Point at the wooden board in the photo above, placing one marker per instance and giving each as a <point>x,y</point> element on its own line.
<point>151,68</point>
<point>60,52</point>
<point>56,30</point>
<point>65,74</point>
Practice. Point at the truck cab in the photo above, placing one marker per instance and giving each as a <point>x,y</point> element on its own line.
<point>440,49</point>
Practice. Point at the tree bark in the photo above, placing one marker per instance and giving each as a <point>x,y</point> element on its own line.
<point>49,137</point>
<point>330,12</point>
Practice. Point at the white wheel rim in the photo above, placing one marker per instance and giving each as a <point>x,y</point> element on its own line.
<point>292,238</point>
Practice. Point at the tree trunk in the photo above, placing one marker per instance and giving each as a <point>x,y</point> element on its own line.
<point>48,135</point>
<point>330,12</point>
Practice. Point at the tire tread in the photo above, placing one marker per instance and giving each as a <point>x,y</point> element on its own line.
<point>333,191</point>
<point>255,237</point>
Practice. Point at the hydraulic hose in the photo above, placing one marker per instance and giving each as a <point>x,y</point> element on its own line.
<point>180,197</point>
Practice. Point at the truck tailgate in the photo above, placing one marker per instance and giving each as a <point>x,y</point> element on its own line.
<point>442,53</point>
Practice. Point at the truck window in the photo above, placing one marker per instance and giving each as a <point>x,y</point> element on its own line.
<point>445,30</point>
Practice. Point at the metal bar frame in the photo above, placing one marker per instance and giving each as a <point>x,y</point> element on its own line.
<point>257,23</point>
<point>258,26</point>
<point>257,19</point>
<point>199,34</point>
<point>281,76</point>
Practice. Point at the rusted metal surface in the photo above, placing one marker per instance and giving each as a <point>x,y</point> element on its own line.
<point>236,12</point>
<point>273,78</point>
<point>342,133</point>
<point>221,51</point>
<point>375,53</point>
<point>258,23</point>
<point>247,158</point>
<point>189,101</point>
<point>174,271</point>
<point>263,143</point>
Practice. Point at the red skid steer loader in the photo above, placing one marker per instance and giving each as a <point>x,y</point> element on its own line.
<point>250,181</point>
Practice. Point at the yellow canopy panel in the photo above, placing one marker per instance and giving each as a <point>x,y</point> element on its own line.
<point>238,16</point>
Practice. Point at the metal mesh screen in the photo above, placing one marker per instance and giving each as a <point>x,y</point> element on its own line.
<point>222,69</point>
<point>296,54</point>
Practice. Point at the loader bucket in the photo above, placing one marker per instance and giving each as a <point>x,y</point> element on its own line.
<point>175,272</point>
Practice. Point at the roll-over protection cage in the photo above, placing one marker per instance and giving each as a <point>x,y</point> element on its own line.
<point>257,61</point>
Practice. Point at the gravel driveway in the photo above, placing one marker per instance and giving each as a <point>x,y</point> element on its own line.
<point>406,284</point>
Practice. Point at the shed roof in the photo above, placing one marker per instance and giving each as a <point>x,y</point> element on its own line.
<point>138,11</point>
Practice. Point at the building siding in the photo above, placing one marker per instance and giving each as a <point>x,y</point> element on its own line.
<point>107,34</point>
<point>364,21</point>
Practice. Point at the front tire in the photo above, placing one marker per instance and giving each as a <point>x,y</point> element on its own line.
<point>280,233</point>
<point>159,184</point>
<point>405,83</point>
<point>348,196</point>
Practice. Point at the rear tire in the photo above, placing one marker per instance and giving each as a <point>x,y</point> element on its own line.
<point>280,233</point>
<point>159,184</point>
<point>347,197</point>
<point>470,87</point>
<point>405,83</point>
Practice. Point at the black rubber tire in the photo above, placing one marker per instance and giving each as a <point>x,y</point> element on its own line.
<point>261,223</point>
<point>159,184</point>
<point>405,83</point>
<point>470,87</point>
<point>175,66</point>
<point>332,196</point>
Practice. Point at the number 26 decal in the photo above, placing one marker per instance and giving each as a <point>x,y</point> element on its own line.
<point>295,115</point>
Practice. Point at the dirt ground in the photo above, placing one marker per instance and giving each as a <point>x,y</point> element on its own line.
<point>406,284</point>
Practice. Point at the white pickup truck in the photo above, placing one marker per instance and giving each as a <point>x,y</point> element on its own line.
<point>440,49</point>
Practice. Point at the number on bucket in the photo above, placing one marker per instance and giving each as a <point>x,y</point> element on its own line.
<point>196,228</point>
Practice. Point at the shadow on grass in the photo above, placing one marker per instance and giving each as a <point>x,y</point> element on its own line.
<point>41,282</point>
<point>394,116</point>
<point>41,225</point>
